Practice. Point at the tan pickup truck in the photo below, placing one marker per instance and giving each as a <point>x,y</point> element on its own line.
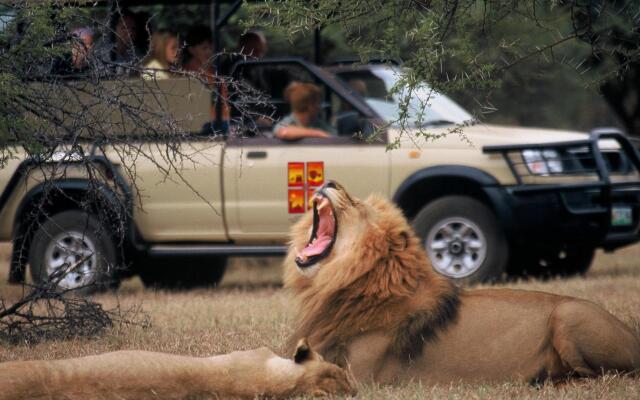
<point>499,200</point>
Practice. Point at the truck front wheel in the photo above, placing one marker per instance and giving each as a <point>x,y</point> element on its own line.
<point>463,239</point>
<point>75,250</point>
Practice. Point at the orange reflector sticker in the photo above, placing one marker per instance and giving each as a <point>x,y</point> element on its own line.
<point>315,173</point>
<point>296,201</point>
<point>296,174</point>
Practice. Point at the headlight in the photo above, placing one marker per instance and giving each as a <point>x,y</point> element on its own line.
<point>542,162</point>
<point>65,156</point>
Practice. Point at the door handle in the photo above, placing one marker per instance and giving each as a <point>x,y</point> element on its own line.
<point>257,154</point>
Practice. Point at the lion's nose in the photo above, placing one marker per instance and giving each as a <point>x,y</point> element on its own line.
<point>331,185</point>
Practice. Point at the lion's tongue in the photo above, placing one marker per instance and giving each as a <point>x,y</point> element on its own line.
<point>317,247</point>
<point>324,235</point>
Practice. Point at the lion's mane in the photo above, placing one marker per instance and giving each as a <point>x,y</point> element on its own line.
<point>377,278</point>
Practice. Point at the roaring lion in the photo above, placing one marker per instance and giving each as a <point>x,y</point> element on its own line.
<point>368,298</point>
<point>140,375</point>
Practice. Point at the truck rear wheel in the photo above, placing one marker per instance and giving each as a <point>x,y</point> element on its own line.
<point>78,242</point>
<point>175,273</point>
<point>463,239</point>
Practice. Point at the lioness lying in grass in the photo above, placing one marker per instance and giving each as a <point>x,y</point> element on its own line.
<point>140,375</point>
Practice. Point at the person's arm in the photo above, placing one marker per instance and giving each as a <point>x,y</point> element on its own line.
<point>292,132</point>
<point>328,128</point>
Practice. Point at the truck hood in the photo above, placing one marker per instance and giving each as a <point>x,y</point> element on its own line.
<point>484,134</point>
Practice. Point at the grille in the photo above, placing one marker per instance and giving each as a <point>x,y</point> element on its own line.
<point>581,160</point>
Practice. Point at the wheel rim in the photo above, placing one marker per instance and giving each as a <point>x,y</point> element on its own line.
<point>456,246</point>
<point>75,251</point>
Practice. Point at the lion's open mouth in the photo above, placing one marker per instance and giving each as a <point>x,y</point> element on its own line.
<point>323,233</point>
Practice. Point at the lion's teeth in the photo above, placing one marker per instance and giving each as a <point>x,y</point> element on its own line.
<point>302,257</point>
<point>323,203</point>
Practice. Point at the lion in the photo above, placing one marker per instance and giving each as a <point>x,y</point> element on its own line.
<point>369,298</point>
<point>140,375</point>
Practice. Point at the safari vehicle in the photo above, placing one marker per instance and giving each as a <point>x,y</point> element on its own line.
<point>505,200</point>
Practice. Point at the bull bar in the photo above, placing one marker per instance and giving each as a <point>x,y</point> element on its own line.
<point>595,198</point>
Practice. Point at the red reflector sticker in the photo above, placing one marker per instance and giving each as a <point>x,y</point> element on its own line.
<point>315,173</point>
<point>296,201</point>
<point>295,174</point>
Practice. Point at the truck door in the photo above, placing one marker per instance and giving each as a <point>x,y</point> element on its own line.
<point>179,188</point>
<point>268,181</point>
<point>181,200</point>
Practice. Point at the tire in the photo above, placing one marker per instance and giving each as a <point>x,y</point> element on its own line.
<point>183,273</point>
<point>74,237</point>
<point>570,261</point>
<point>463,239</point>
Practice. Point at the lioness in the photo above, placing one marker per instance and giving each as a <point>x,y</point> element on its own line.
<point>368,297</point>
<point>139,375</point>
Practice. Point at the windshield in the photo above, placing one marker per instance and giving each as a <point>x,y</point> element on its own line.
<point>375,84</point>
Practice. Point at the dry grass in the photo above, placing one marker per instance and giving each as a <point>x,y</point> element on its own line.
<point>250,310</point>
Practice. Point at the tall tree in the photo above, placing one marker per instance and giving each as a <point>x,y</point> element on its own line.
<point>471,44</point>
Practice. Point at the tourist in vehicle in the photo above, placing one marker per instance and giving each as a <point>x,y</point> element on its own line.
<point>303,121</point>
<point>126,51</point>
<point>77,61</point>
<point>82,47</point>
<point>162,57</point>
<point>251,45</point>
<point>199,50</point>
<point>199,60</point>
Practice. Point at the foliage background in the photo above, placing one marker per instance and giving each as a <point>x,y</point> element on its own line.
<point>532,63</point>
<point>537,91</point>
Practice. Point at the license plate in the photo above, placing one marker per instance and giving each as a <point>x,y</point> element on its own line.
<point>621,216</point>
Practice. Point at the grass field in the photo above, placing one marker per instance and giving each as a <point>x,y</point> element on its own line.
<point>251,310</point>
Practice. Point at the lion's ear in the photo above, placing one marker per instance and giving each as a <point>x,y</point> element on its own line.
<point>400,242</point>
<point>303,352</point>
